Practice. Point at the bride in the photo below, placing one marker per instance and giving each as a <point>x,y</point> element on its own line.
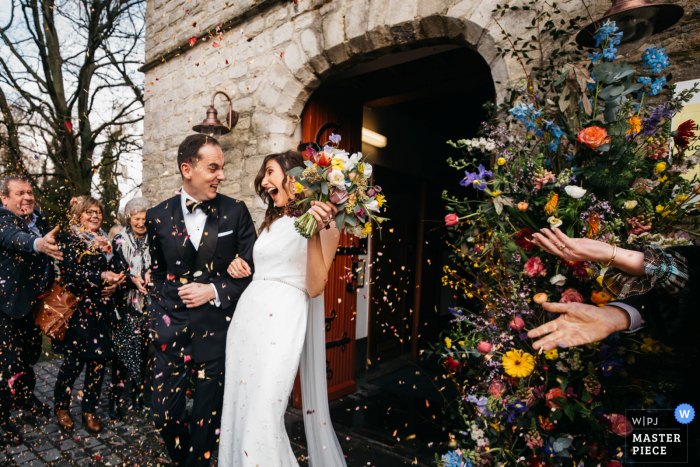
<point>279,321</point>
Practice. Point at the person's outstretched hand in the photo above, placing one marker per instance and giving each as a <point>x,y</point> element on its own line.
<point>578,324</point>
<point>572,249</point>
<point>48,245</point>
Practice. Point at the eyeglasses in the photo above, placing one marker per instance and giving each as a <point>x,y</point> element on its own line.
<point>93,212</point>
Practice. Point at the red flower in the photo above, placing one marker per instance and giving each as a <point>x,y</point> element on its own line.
<point>577,267</point>
<point>324,159</point>
<point>69,126</point>
<point>451,219</point>
<point>192,40</point>
<point>484,347</point>
<point>452,364</point>
<point>594,136</point>
<point>524,239</point>
<point>685,133</point>
<point>517,324</point>
<point>619,424</point>
<point>537,461</point>
<point>553,394</point>
<point>545,423</point>
<point>595,451</point>
<point>613,464</point>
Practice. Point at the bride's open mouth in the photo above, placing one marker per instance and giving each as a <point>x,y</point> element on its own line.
<point>273,192</point>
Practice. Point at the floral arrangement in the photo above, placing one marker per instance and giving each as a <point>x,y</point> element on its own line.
<point>580,147</point>
<point>334,175</point>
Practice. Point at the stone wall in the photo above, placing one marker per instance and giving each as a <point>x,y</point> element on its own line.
<point>270,55</point>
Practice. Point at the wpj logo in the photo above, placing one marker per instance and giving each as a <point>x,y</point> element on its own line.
<point>659,436</point>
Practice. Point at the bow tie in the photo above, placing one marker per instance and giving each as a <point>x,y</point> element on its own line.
<point>205,206</point>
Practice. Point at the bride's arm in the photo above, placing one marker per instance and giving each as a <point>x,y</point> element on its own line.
<point>321,250</point>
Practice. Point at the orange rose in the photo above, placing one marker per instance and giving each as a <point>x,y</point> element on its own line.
<point>540,298</point>
<point>522,206</point>
<point>594,136</point>
<point>600,298</point>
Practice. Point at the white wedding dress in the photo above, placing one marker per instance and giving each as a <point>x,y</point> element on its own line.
<point>275,326</point>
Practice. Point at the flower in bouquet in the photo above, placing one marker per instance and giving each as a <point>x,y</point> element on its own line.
<point>571,295</point>
<point>518,364</point>
<point>619,424</point>
<point>594,136</point>
<point>551,205</point>
<point>517,324</point>
<point>545,423</point>
<point>477,179</point>
<point>455,459</point>
<point>484,347</point>
<point>574,191</point>
<point>607,32</point>
<point>554,221</point>
<point>631,204</point>
<point>524,239</point>
<point>480,403</point>
<point>684,134</point>
<point>451,220</point>
<point>534,267</point>
<point>452,364</point>
<point>552,396</point>
<point>522,206</point>
<point>654,58</point>
<point>551,354</point>
<point>558,279</point>
<point>650,346</point>
<point>540,298</point>
<point>635,125</point>
<point>600,297</point>
<point>497,388</point>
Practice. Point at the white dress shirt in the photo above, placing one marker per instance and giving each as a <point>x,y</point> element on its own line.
<point>194,223</point>
<point>636,321</point>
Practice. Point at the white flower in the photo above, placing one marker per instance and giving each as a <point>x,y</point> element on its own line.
<point>574,191</point>
<point>336,178</point>
<point>367,170</point>
<point>554,221</point>
<point>631,204</point>
<point>559,279</point>
<point>353,160</point>
<point>372,206</point>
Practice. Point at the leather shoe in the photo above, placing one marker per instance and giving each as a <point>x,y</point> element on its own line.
<point>64,418</point>
<point>36,408</point>
<point>92,423</point>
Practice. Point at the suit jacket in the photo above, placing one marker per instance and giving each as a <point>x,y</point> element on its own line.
<point>21,269</point>
<point>674,320</point>
<point>229,232</point>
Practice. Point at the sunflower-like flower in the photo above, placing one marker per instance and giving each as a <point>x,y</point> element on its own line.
<point>551,205</point>
<point>684,134</point>
<point>518,364</point>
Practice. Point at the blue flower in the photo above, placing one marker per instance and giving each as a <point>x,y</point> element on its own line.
<point>656,59</point>
<point>454,311</point>
<point>609,54</point>
<point>549,450</point>
<point>480,405</point>
<point>477,180</point>
<point>607,361</point>
<point>615,39</point>
<point>657,85</point>
<point>591,86</point>
<point>554,129</point>
<point>553,145</point>
<point>525,114</point>
<point>454,459</point>
<point>539,133</point>
<point>645,80</point>
<point>606,30</point>
<point>595,56</point>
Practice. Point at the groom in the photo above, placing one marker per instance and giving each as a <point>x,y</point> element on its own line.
<point>193,238</point>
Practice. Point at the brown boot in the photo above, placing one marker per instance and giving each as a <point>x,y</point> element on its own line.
<point>64,418</point>
<point>92,423</point>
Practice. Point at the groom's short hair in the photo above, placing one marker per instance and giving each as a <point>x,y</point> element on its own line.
<point>189,149</point>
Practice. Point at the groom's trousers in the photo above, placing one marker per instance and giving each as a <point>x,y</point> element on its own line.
<point>189,444</point>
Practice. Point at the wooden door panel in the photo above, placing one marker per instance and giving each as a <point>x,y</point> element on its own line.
<point>341,304</point>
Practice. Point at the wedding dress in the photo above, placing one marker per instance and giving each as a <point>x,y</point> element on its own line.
<point>274,328</point>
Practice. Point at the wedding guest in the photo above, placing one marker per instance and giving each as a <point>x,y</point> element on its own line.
<point>129,328</point>
<point>116,228</point>
<point>86,274</point>
<point>27,246</point>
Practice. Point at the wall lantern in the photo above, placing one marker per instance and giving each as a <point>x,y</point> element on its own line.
<point>636,19</point>
<point>373,138</point>
<point>211,125</point>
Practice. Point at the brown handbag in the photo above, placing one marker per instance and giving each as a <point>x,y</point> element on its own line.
<point>53,310</point>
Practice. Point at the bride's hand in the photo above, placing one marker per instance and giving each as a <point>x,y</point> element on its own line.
<point>324,214</point>
<point>238,268</point>
<point>572,249</point>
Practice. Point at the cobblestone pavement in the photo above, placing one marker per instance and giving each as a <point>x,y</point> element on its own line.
<point>133,441</point>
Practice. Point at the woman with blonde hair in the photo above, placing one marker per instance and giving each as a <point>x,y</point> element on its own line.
<point>85,273</point>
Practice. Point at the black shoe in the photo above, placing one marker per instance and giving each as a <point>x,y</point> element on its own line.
<point>10,433</point>
<point>114,411</point>
<point>137,400</point>
<point>35,408</point>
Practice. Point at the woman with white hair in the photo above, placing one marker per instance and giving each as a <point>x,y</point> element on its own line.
<point>129,331</point>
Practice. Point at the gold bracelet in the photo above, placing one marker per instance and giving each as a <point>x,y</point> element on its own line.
<point>613,255</point>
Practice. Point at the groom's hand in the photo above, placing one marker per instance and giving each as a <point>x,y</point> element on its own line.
<point>194,295</point>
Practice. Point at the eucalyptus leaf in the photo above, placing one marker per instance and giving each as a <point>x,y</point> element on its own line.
<point>603,147</point>
<point>616,90</point>
<point>561,443</point>
<point>351,220</point>
<point>324,188</point>
<point>295,172</point>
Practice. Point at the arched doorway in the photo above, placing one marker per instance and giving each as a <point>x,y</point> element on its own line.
<point>400,109</point>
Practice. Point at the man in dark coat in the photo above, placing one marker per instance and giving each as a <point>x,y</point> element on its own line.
<point>26,248</point>
<point>193,238</point>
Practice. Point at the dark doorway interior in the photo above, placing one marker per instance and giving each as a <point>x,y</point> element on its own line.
<point>418,105</point>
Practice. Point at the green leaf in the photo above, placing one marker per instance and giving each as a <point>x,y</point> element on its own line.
<point>351,220</point>
<point>340,219</point>
<point>324,188</point>
<point>295,172</point>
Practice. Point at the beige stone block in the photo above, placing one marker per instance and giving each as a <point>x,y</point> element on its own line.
<point>249,86</point>
<point>274,144</point>
<point>237,70</point>
<point>262,43</point>
<point>355,19</point>
<point>279,76</point>
<point>401,11</point>
<point>307,20</point>
<point>433,7</point>
<point>282,34</point>
<point>268,96</point>
<point>333,29</point>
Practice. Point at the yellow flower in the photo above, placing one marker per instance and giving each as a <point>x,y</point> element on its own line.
<point>518,364</point>
<point>551,205</point>
<point>501,161</point>
<point>663,179</point>
<point>337,164</point>
<point>680,199</point>
<point>496,193</point>
<point>380,200</point>
<point>367,229</point>
<point>551,354</point>
<point>298,187</point>
<point>660,167</point>
<point>635,125</point>
<point>448,342</point>
<point>650,139</point>
<point>660,208</point>
<point>599,279</point>
<point>650,345</point>
<point>462,343</point>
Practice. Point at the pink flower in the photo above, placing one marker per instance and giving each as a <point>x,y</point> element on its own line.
<point>451,219</point>
<point>187,358</point>
<point>484,347</point>
<point>166,318</point>
<point>517,324</point>
<point>535,267</point>
<point>339,196</point>
<point>619,424</point>
<point>553,394</point>
<point>571,296</point>
<point>636,227</point>
<point>497,388</point>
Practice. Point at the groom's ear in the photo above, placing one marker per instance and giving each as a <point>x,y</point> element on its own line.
<point>186,170</point>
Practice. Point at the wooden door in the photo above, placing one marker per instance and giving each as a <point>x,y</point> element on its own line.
<point>340,296</point>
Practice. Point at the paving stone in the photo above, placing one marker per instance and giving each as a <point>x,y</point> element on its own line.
<point>3,457</point>
<point>50,428</point>
<point>51,455</point>
<point>77,454</point>
<point>113,459</point>
<point>16,449</point>
<point>67,445</point>
<point>91,442</point>
<point>41,444</point>
<point>23,457</point>
<point>34,463</point>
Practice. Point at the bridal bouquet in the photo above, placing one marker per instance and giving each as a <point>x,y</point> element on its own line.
<point>334,175</point>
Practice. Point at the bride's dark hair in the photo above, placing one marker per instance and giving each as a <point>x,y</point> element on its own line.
<point>287,161</point>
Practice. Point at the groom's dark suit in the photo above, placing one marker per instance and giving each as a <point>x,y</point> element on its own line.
<point>193,340</point>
